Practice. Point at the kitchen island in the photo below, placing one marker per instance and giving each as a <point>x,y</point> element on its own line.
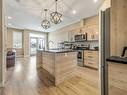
<point>60,64</point>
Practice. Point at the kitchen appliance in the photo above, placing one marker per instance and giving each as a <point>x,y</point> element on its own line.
<point>80,58</point>
<point>80,55</point>
<point>81,37</point>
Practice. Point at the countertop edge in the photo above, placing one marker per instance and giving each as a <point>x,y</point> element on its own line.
<point>58,51</point>
<point>117,59</point>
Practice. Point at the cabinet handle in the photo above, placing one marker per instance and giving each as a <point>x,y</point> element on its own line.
<point>90,63</point>
<point>89,52</point>
<point>90,57</point>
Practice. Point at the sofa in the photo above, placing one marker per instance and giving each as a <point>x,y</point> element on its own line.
<point>11,56</point>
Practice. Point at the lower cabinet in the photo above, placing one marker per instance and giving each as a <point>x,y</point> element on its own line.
<point>39,59</point>
<point>91,59</point>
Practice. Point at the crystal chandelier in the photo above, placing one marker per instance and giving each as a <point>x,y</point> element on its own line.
<point>45,23</point>
<point>56,17</point>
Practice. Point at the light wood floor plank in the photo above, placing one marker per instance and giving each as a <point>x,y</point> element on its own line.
<point>25,79</point>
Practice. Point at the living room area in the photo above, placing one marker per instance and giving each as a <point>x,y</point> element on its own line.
<point>23,43</point>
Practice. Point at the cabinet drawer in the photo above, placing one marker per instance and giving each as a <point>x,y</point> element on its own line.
<point>90,57</point>
<point>91,52</point>
<point>91,64</point>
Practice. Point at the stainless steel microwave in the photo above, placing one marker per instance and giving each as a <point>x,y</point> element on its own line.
<point>81,37</point>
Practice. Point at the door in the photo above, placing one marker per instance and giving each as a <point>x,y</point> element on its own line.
<point>40,43</point>
<point>36,44</point>
<point>33,46</point>
<point>105,49</point>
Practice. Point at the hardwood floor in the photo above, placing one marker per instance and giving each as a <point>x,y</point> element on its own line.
<point>25,79</point>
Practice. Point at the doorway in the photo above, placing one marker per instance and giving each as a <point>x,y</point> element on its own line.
<point>36,43</point>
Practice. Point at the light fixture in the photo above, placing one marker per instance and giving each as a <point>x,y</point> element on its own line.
<point>74,12</point>
<point>45,23</point>
<point>95,1</point>
<point>56,17</point>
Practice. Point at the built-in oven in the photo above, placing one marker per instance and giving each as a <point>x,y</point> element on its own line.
<point>80,58</point>
<point>81,37</point>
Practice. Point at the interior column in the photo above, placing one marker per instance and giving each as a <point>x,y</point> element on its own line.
<point>3,43</point>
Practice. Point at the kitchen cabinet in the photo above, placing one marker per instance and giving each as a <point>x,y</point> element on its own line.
<point>91,58</point>
<point>72,33</point>
<point>92,32</point>
<point>39,59</point>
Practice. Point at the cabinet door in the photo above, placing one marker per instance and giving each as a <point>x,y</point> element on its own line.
<point>91,59</point>
<point>84,30</point>
<point>96,32</point>
<point>72,33</point>
<point>90,33</point>
<point>91,63</point>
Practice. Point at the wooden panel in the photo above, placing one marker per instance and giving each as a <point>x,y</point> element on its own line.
<point>118,26</point>
<point>65,66</point>
<point>60,65</point>
<point>117,79</point>
<point>91,63</point>
<point>90,52</point>
<point>91,58</point>
<point>91,27</point>
<point>26,44</point>
<point>49,62</point>
<point>39,59</point>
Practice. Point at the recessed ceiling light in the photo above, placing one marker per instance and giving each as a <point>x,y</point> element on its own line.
<point>9,17</point>
<point>95,1</point>
<point>9,24</point>
<point>74,11</point>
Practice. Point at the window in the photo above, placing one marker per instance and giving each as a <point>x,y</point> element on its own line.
<point>17,39</point>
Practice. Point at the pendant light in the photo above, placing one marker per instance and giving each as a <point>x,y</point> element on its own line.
<point>45,23</point>
<point>56,17</point>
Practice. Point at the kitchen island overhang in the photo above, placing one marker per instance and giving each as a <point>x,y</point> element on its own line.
<point>61,64</point>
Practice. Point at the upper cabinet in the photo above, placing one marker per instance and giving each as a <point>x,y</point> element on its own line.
<point>90,26</point>
<point>72,33</point>
<point>92,32</point>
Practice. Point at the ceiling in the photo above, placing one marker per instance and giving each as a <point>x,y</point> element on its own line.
<point>27,14</point>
